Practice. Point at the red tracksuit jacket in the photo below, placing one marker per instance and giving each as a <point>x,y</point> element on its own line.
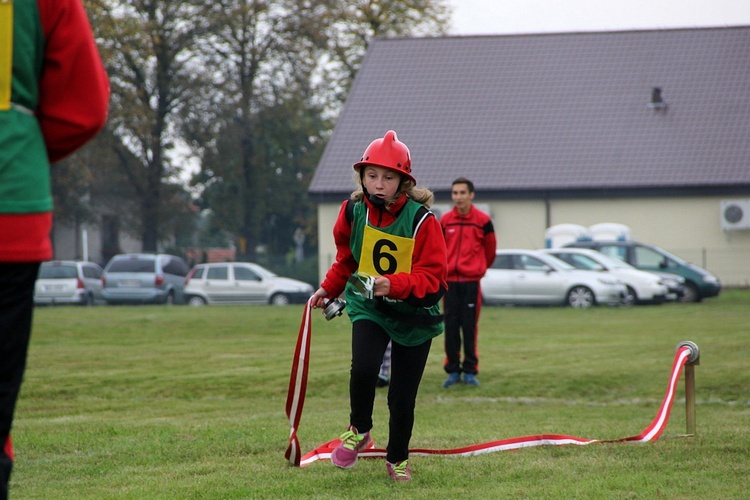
<point>471,244</point>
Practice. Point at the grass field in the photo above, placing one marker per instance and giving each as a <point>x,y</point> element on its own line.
<point>180,402</point>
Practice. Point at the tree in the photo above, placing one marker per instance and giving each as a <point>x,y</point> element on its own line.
<point>265,59</point>
<point>148,47</point>
<point>279,62</point>
<point>71,181</point>
<point>355,24</point>
<point>249,87</point>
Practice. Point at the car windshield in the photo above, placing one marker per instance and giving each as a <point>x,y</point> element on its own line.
<point>663,252</point>
<point>263,271</point>
<point>132,266</point>
<point>560,264</point>
<point>57,272</point>
<point>614,263</point>
<point>579,261</point>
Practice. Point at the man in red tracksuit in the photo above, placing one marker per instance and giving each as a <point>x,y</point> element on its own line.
<point>54,97</point>
<point>470,238</point>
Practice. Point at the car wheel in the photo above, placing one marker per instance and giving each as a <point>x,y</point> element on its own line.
<point>690,294</point>
<point>170,299</point>
<point>194,300</point>
<point>279,299</point>
<point>580,297</point>
<point>629,298</point>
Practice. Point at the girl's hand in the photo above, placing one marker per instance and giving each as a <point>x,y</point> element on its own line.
<point>319,299</point>
<point>382,286</point>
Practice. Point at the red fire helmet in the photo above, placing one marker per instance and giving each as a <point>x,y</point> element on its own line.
<point>390,153</point>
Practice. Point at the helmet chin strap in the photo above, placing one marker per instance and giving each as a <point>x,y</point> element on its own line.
<point>377,201</point>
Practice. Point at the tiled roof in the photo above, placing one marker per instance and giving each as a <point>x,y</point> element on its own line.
<point>565,111</point>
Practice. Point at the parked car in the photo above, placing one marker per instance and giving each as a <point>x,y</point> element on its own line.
<point>68,282</point>
<point>675,285</point>
<point>242,283</point>
<point>643,287</point>
<point>143,278</point>
<point>699,283</point>
<point>534,277</point>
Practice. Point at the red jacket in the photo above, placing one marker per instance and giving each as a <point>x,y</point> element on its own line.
<point>74,88</point>
<point>72,105</point>
<point>427,275</point>
<point>471,244</point>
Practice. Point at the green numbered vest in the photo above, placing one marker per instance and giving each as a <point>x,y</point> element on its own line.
<point>24,165</point>
<point>388,250</point>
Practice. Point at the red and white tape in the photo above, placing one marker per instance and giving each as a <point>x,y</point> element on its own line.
<point>295,398</point>
<point>298,385</point>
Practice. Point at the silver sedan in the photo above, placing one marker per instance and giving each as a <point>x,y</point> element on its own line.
<point>532,277</point>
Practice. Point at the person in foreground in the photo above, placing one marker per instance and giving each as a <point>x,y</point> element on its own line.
<point>391,266</point>
<point>470,238</point>
<point>54,96</point>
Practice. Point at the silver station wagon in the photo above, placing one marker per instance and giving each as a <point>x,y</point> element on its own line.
<point>242,283</point>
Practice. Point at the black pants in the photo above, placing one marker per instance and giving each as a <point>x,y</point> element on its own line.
<point>463,302</point>
<point>369,342</point>
<point>16,308</point>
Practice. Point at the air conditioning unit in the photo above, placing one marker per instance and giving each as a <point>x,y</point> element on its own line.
<point>735,214</point>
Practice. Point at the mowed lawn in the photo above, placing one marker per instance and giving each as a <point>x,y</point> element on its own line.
<point>183,402</point>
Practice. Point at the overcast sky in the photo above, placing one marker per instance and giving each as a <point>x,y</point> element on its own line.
<point>492,17</point>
